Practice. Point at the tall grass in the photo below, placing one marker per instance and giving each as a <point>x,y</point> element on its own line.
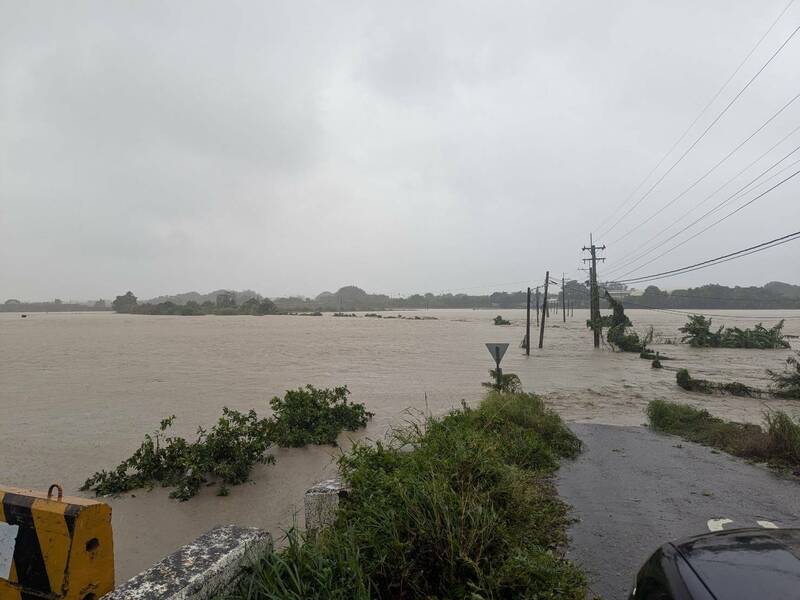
<point>457,507</point>
<point>778,443</point>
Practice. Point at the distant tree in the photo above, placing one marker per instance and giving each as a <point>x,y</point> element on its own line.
<point>125,304</point>
<point>57,301</point>
<point>12,301</point>
<point>100,303</point>
<point>654,290</point>
<point>266,307</point>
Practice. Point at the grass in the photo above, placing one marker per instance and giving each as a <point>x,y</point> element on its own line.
<point>776,443</point>
<point>455,507</point>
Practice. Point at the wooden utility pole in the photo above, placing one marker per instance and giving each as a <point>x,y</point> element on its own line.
<point>563,298</point>
<point>537,305</point>
<point>541,329</point>
<point>594,297</point>
<point>528,326</point>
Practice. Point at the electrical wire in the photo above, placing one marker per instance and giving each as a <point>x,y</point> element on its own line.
<point>632,256</point>
<point>717,260</point>
<point>707,173</point>
<point>705,131</point>
<point>737,194</point>
<point>699,116</point>
<point>715,223</point>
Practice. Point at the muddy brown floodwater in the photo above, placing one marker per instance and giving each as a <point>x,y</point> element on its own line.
<point>79,390</point>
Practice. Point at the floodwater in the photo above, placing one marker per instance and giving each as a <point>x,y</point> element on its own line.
<point>79,391</point>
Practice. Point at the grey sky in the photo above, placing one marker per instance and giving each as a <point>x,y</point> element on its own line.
<point>292,147</point>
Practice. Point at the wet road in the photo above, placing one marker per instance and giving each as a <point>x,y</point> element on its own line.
<point>632,490</point>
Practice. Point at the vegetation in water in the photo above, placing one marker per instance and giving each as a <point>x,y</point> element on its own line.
<point>499,320</point>
<point>455,507</point>
<point>777,443</point>
<point>313,415</point>
<point>620,334</point>
<point>228,451</point>
<point>786,383</point>
<point>698,333</point>
<point>508,383</point>
<point>704,386</point>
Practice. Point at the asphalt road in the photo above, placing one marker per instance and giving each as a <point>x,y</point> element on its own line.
<point>632,490</point>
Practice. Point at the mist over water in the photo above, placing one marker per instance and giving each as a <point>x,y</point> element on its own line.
<point>80,390</point>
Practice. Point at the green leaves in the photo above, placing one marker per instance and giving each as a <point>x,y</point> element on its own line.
<point>233,446</point>
<point>312,415</point>
<point>699,335</point>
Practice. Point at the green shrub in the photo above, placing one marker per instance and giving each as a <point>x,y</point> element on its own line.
<point>226,453</point>
<point>509,382</point>
<point>457,507</point>
<point>698,334</point>
<point>313,415</point>
<point>498,320</point>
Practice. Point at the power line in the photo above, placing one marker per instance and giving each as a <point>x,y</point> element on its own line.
<point>699,116</point>
<point>738,193</point>
<point>732,317</point>
<point>705,131</point>
<point>717,222</point>
<point>711,170</point>
<point>631,257</point>
<point>717,260</point>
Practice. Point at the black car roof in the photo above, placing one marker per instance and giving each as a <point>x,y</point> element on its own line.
<point>746,564</point>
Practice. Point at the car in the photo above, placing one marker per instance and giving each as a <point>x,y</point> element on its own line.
<point>738,564</point>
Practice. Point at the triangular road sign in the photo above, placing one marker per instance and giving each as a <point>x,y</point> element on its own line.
<point>497,351</point>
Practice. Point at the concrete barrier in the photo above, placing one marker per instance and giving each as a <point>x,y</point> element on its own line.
<point>199,570</point>
<point>321,503</point>
<point>54,547</point>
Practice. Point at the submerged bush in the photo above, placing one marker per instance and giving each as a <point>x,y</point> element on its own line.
<point>509,382</point>
<point>239,441</point>
<point>698,334</point>
<point>313,415</point>
<point>786,383</point>
<point>704,386</point>
<point>499,320</point>
<point>457,507</point>
<point>226,453</point>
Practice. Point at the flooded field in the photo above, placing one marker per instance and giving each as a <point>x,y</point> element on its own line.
<point>78,392</point>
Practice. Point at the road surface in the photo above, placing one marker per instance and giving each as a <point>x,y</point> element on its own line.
<point>632,490</point>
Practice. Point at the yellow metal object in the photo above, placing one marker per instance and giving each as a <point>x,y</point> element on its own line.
<point>54,548</point>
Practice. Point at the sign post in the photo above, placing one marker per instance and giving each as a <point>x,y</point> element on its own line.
<point>497,351</point>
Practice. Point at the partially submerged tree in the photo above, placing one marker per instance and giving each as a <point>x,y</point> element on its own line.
<point>618,325</point>
<point>698,334</point>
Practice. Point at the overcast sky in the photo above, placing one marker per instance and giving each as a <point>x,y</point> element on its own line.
<point>294,147</point>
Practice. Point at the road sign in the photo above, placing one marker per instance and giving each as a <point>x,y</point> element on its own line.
<point>497,351</point>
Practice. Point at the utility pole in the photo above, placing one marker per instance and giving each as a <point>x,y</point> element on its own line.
<point>541,329</point>
<point>563,297</point>
<point>537,305</point>
<point>528,327</point>
<point>594,297</point>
